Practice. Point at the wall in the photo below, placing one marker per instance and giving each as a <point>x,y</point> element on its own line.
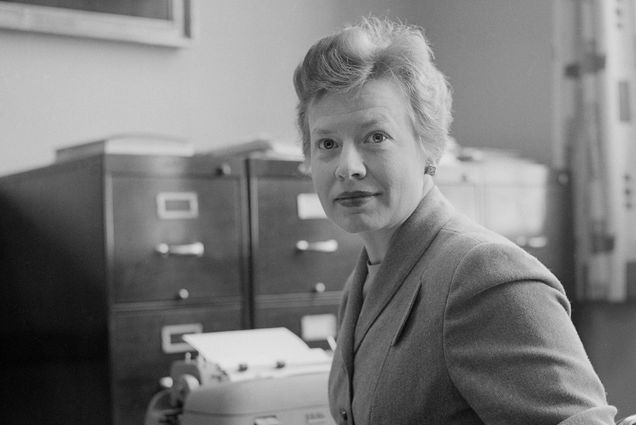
<point>499,58</point>
<point>234,83</point>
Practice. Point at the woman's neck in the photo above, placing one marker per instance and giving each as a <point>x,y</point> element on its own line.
<point>377,242</point>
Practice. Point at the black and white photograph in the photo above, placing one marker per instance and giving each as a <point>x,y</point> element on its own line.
<point>318,212</point>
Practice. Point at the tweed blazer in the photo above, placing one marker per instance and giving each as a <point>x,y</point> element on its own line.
<point>460,327</point>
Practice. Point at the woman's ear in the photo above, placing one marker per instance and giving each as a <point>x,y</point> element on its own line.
<point>429,167</point>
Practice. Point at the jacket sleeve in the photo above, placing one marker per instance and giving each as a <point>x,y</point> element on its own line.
<point>510,345</point>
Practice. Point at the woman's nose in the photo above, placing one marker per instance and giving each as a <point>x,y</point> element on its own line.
<point>350,164</point>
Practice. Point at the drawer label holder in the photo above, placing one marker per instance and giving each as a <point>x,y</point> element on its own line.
<point>172,337</point>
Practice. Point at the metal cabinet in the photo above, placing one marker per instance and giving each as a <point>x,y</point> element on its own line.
<point>528,203</point>
<point>300,260</point>
<point>105,262</point>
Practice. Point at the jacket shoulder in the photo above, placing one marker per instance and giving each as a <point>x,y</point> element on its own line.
<point>476,259</point>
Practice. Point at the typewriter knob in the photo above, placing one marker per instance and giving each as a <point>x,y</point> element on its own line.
<point>165,382</point>
<point>182,387</point>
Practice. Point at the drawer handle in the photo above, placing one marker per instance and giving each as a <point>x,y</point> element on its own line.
<point>183,294</point>
<point>319,288</point>
<point>330,245</point>
<point>195,249</point>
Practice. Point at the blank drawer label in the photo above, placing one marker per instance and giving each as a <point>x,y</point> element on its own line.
<point>177,205</point>
<point>309,206</point>
<point>318,327</point>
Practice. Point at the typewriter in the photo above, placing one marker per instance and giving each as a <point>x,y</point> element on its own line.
<point>249,377</point>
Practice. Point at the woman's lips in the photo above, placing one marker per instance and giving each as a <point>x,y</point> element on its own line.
<point>354,199</point>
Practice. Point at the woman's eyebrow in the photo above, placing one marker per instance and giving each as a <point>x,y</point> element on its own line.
<point>374,122</point>
<point>380,120</point>
<point>320,131</point>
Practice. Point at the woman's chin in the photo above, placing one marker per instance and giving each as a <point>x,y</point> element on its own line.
<point>356,224</point>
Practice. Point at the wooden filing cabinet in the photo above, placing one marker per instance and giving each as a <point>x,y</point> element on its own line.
<point>104,263</point>
<point>300,260</point>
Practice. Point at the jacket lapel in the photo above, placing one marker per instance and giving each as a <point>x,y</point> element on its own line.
<point>352,311</point>
<point>408,244</point>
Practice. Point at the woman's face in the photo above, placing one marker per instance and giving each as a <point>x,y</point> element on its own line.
<point>366,162</point>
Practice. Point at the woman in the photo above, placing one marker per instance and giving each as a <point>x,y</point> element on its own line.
<point>442,321</point>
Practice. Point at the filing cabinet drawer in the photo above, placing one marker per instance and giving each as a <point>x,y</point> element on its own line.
<point>516,211</point>
<point>139,345</point>
<point>313,322</point>
<point>297,250</point>
<point>138,350</point>
<point>175,238</point>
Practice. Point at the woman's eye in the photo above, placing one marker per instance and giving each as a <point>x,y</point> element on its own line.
<point>377,137</point>
<point>327,144</point>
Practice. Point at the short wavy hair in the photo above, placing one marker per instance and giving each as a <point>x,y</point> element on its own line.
<point>374,49</point>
